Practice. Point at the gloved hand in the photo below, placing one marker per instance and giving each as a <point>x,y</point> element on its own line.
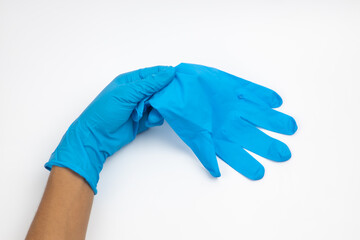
<point>106,124</point>
<point>216,113</point>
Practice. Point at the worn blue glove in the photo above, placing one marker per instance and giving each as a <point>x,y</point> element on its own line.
<point>106,124</point>
<point>216,113</point>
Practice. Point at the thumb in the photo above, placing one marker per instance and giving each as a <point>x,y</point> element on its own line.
<point>203,147</point>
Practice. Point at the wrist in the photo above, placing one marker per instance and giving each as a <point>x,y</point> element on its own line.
<point>78,151</point>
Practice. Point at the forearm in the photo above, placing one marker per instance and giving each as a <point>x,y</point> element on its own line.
<point>65,208</point>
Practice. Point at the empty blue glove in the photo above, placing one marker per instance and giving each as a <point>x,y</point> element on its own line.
<point>216,113</point>
<point>106,124</point>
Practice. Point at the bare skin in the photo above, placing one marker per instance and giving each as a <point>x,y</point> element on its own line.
<point>64,210</point>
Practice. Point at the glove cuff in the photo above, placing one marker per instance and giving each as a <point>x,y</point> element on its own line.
<point>80,154</point>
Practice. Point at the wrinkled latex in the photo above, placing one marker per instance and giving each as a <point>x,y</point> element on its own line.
<point>216,113</point>
<point>106,124</point>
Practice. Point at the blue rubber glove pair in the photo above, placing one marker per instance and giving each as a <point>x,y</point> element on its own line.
<point>213,112</point>
<point>106,124</point>
<point>216,113</point>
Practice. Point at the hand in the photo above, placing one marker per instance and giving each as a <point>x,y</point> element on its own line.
<point>216,113</point>
<point>106,124</point>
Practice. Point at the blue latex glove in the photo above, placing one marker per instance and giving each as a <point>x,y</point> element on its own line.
<point>216,113</point>
<point>106,124</point>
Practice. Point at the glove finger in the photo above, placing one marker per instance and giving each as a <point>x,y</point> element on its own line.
<point>267,118</point>
<point>144,72</point>
<point>148,120</point>
<point>203,147</point>
<point>154,79</point>
<point>154,118</point>
<point>256,141</point>
<point>139,74</point>
<point>147,82</point>
<point>253,91</point>
<point>237,158</point>
<point>260,95</point>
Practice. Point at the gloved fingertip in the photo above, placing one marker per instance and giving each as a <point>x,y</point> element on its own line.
<point>283,152</point>
<point>214,169</point>
<point>276,100</point>
<point>145,72</point>
<point>165,68</point>
<point>259,173</point>
<point>154,119</point>
<point>155,116</point>
<point>157,81</point>
<point>166,73</point>
<point>215,173</point>
<point>154,124</point>
<point>293,126</point>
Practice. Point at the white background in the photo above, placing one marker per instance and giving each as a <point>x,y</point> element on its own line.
<point>56,56</point>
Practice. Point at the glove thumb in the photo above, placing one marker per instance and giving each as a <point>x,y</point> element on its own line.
<point>203,147</point>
